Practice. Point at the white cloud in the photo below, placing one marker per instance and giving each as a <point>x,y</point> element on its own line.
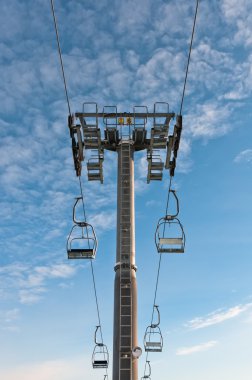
<point>8,318</point>
<point>105,220</point>
<point>141,185</point>
<point>244,156</point>
<point>184,163</point>
<point>141,167</point>
<point>137,16</point>
<point>239,14</point>
<point>31,296</point>
<point>199,348</point>
<point>31,283</point>
<point>60,369</point>
<point>153,203</point>
<point>211,120</point>
<point>217,317</point>
<point>64,285</point>
<point>233,9</point>
<point>171,14</point>
<point>56,271</point>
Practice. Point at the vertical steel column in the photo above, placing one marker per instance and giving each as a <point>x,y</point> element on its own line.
<point>125,367</point>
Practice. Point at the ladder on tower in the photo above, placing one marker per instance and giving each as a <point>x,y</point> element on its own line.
<point>125,358</point>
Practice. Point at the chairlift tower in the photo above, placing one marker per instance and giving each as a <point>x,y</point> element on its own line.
<point>125,134</point>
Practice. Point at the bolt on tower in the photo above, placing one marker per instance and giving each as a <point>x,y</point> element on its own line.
<point>125,134</point>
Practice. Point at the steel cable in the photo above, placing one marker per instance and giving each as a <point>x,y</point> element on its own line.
<point>92,268</point>
<point>60,56</point>
<point>189,56</point>
<point>168,196</point>
<point>81,189</point>
<point>158,271</point>
<point>92,271</point>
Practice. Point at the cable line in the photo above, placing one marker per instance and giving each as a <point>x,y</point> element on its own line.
<point>153,308</point>
<point>81,189</point>
<point>92,268</point>
<point>158,272</point>
<point>92,271</point>
<point>169,188</point>
<point>189,56</point>
<point>60,56</point>
<point>159,264</point>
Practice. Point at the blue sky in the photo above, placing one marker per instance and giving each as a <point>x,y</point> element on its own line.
<point>125,53</point>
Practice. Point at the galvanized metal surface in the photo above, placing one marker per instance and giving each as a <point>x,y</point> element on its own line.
<point>125,310</point>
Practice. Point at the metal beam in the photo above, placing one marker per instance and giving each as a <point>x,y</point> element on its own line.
<point>169,115</point>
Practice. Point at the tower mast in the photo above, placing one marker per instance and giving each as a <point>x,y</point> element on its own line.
<point>125,298</point>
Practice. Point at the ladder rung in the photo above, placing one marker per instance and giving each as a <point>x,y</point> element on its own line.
<point>129,345</point>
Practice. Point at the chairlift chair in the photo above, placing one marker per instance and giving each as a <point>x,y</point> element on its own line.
<point>100,357</point>
<point>170,236</point>
<point>153,339</point>
<point>94,168</point>
<point>90,128</point>
<point>155,167</point>
<point>81,242</point>
<point>139,135</point>
<point>110,116</point>
<point>155,162</point>
<point>112,135</point>
<point>139,132</point>
<point>111,132</point>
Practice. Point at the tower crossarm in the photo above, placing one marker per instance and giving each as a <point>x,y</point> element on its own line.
<point>146,130</point>
<point>112,115</point>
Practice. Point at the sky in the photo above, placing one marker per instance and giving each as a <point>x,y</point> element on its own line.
<point>125,53</point>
